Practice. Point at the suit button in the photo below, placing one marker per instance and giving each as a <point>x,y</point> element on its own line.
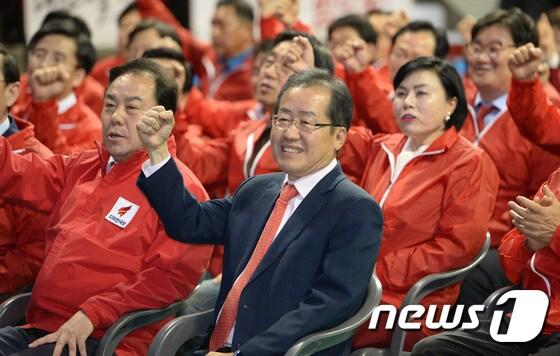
<point>245,306</point>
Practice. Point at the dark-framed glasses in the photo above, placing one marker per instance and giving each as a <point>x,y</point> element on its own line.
<point>307,125</point>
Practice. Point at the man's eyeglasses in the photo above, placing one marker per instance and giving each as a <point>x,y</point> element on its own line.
<point>493,50</point>
<point>306,126</point>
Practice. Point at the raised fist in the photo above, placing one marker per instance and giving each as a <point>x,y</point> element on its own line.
<point>352,54</point>
<point>524,62</point>
<point>48,83</point>
<point>154,128</point>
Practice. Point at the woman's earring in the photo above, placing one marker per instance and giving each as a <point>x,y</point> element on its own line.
<point>447,117</point>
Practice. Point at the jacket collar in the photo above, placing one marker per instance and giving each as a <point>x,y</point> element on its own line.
<point>136,160</point>
<point>395,143</point>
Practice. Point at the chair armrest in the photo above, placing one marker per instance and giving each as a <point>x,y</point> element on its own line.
<point>130,322</point>
<point>490,302</point>
<point>13,309</point>
<point>321,340</point>
<point>430,284</point>
<point>179,330</point>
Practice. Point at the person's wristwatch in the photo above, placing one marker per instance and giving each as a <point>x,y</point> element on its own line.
<point>237,353</point>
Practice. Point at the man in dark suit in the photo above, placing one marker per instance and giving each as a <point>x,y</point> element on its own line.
<point>293,264</point>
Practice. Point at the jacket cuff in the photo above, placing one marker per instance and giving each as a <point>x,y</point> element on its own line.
<point>89,311</point>
<point>524,83</point>
<point>357,75</point>
<point>45,105</point>
<point>555,242</point>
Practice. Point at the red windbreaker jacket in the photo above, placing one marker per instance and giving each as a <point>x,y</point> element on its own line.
<point>537,118</point>
<point>22,243</point>
<point>107,251</point>
<point>436,211</point>
<point>536,270</point>
<point>523,166</point>
<point>215,84</point>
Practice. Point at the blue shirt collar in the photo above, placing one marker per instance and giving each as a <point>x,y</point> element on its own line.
<point>233,63</point>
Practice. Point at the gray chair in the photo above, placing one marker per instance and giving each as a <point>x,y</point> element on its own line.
<point>314,343</point>
<point>490,302</point>
<point>184,328</point>
<point>12,312</point>
<point>419,290</point>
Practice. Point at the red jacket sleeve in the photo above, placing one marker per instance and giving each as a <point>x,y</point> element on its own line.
<point>373,105</point>
<point>92,94</point>
<point>31,180</point>
<point>354,154</point>
<point>468,202</point>
<point>217,117</point>
<point>170,272</point>
<point>271,27</point>
<point>514,255</point>
<point>207,158</point>
<point>84,127</point>
<point>21,260</point>
<point>193,50</point>
<point>537,118</point>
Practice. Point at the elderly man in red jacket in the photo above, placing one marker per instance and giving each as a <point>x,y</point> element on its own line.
<point>107,251</point>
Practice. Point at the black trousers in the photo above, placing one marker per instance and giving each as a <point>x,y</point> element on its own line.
<point>484,279</point>
<point>478,342</point>
<point>14,341</point>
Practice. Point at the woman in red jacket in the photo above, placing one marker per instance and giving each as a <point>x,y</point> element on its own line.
<point>437,190</point>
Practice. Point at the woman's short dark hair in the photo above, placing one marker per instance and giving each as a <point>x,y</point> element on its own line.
<point>165,88</point>
<point>449,79</point>
<point>340,105</point>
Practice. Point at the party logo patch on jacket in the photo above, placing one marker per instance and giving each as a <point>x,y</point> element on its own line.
<point>122,212</point>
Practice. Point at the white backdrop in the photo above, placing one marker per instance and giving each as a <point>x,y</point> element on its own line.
<point>101,15</point>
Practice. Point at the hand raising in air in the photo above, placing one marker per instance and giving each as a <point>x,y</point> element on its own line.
<point>154,128</point>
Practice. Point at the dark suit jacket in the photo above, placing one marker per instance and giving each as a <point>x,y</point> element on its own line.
<point>314,275</point>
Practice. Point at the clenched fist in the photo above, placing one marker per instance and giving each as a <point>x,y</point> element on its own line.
<point>154,129</point>
<point>48,83</point>
<point>352,54</point>
<point>525,61</point>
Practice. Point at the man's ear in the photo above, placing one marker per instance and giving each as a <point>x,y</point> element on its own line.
<point>340,137</point>
<point>12,93</point>
<point>78,77</point>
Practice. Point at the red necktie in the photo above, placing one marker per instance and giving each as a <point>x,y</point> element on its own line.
<point>229,310</point>
<point>481,114</point>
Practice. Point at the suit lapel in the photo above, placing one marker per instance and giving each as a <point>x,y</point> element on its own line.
<point>303,215</point>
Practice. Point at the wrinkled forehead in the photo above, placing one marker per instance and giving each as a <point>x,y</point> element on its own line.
<point>132,84</point>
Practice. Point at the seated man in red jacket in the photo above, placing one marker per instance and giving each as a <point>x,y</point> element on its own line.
<point>21,229</point>
<point>222,69</point>
<point>107,251</point>
<point>530,256</point>
<point>58,60</point>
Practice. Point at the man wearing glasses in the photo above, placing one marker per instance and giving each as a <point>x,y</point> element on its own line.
<point>299,245</point>
<point>522,165</point>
